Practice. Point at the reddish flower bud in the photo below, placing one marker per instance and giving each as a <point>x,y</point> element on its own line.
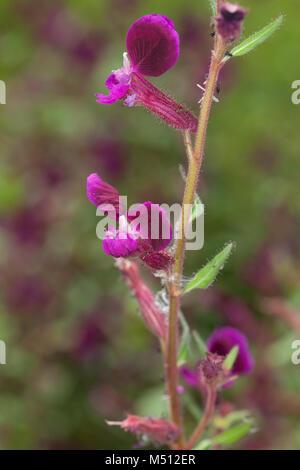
<point>212,370</point>
<point>157,430</point>
<point>155,260</point>
<point>230,21</point>
<point>153,317</point>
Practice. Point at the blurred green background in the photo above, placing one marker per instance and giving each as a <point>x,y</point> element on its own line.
<point>77,351</point>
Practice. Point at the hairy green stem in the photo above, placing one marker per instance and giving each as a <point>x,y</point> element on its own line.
<point>195,158</point>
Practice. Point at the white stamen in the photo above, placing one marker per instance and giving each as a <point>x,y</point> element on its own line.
<point>126,63</point>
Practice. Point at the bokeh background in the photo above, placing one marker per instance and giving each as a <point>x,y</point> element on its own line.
<point>77,351</point>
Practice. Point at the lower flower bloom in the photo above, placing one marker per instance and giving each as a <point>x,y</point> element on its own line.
<point>119,244</point>
<point>219,344</point>
<point>143,232</point>
<point>223,340</point>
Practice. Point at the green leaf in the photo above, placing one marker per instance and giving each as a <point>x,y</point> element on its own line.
<point>192,406</point>
<point>205,277</point>
<point>230,436</point>
<point>234,434</point>
<point>197,209</point>
<point>204,445</point>
<point>213,6</point>
<point>200,343</point>
<point>152,401</point>
<point>257,38</point>
<point>184,352</point>
<point>224,422</point>
<point>231,357</point>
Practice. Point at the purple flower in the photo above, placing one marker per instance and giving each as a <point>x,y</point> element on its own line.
<point>230,21</point>
<point>118,246</point>
<point>219,344</point>
<point>153,48</point>
<point>190,376</point>
<point>143,232</point>
<point>223,340</point>
<point>153,45</point>
<point>103,194</point>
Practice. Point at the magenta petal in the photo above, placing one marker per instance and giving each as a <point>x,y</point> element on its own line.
<point>152,223</point>
<point>103,194</point>
<point>224,339</point>
<point>119,247</point>
<point>190,376</point>
<point>153,45</point>
<point>117,91</point>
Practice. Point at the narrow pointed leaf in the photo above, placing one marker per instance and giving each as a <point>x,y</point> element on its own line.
<point>257,38</point>
<point>204,445</point>
<point>230,436</point>
<point>192,406</point>
<point>201,347</point>
<point>205,277</point>
<point>197,209</point>
<point>198,206</point>
<point>184,352</point>
<point>231,357</point>
<point>234,418</point>
<point>233,434</point>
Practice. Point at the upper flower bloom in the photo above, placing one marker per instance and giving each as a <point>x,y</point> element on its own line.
<point>143,232</point>
<point>153,48</point>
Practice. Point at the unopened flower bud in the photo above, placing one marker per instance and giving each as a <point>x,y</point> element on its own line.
<point>229,22</point>
<point>157,430</point>
<point>152,316</point>
<point>212,371</point>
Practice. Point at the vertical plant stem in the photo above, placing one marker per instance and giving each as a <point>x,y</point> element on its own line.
<point>209,409</point>
<point>211,83</point>
<point>195,158</point>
